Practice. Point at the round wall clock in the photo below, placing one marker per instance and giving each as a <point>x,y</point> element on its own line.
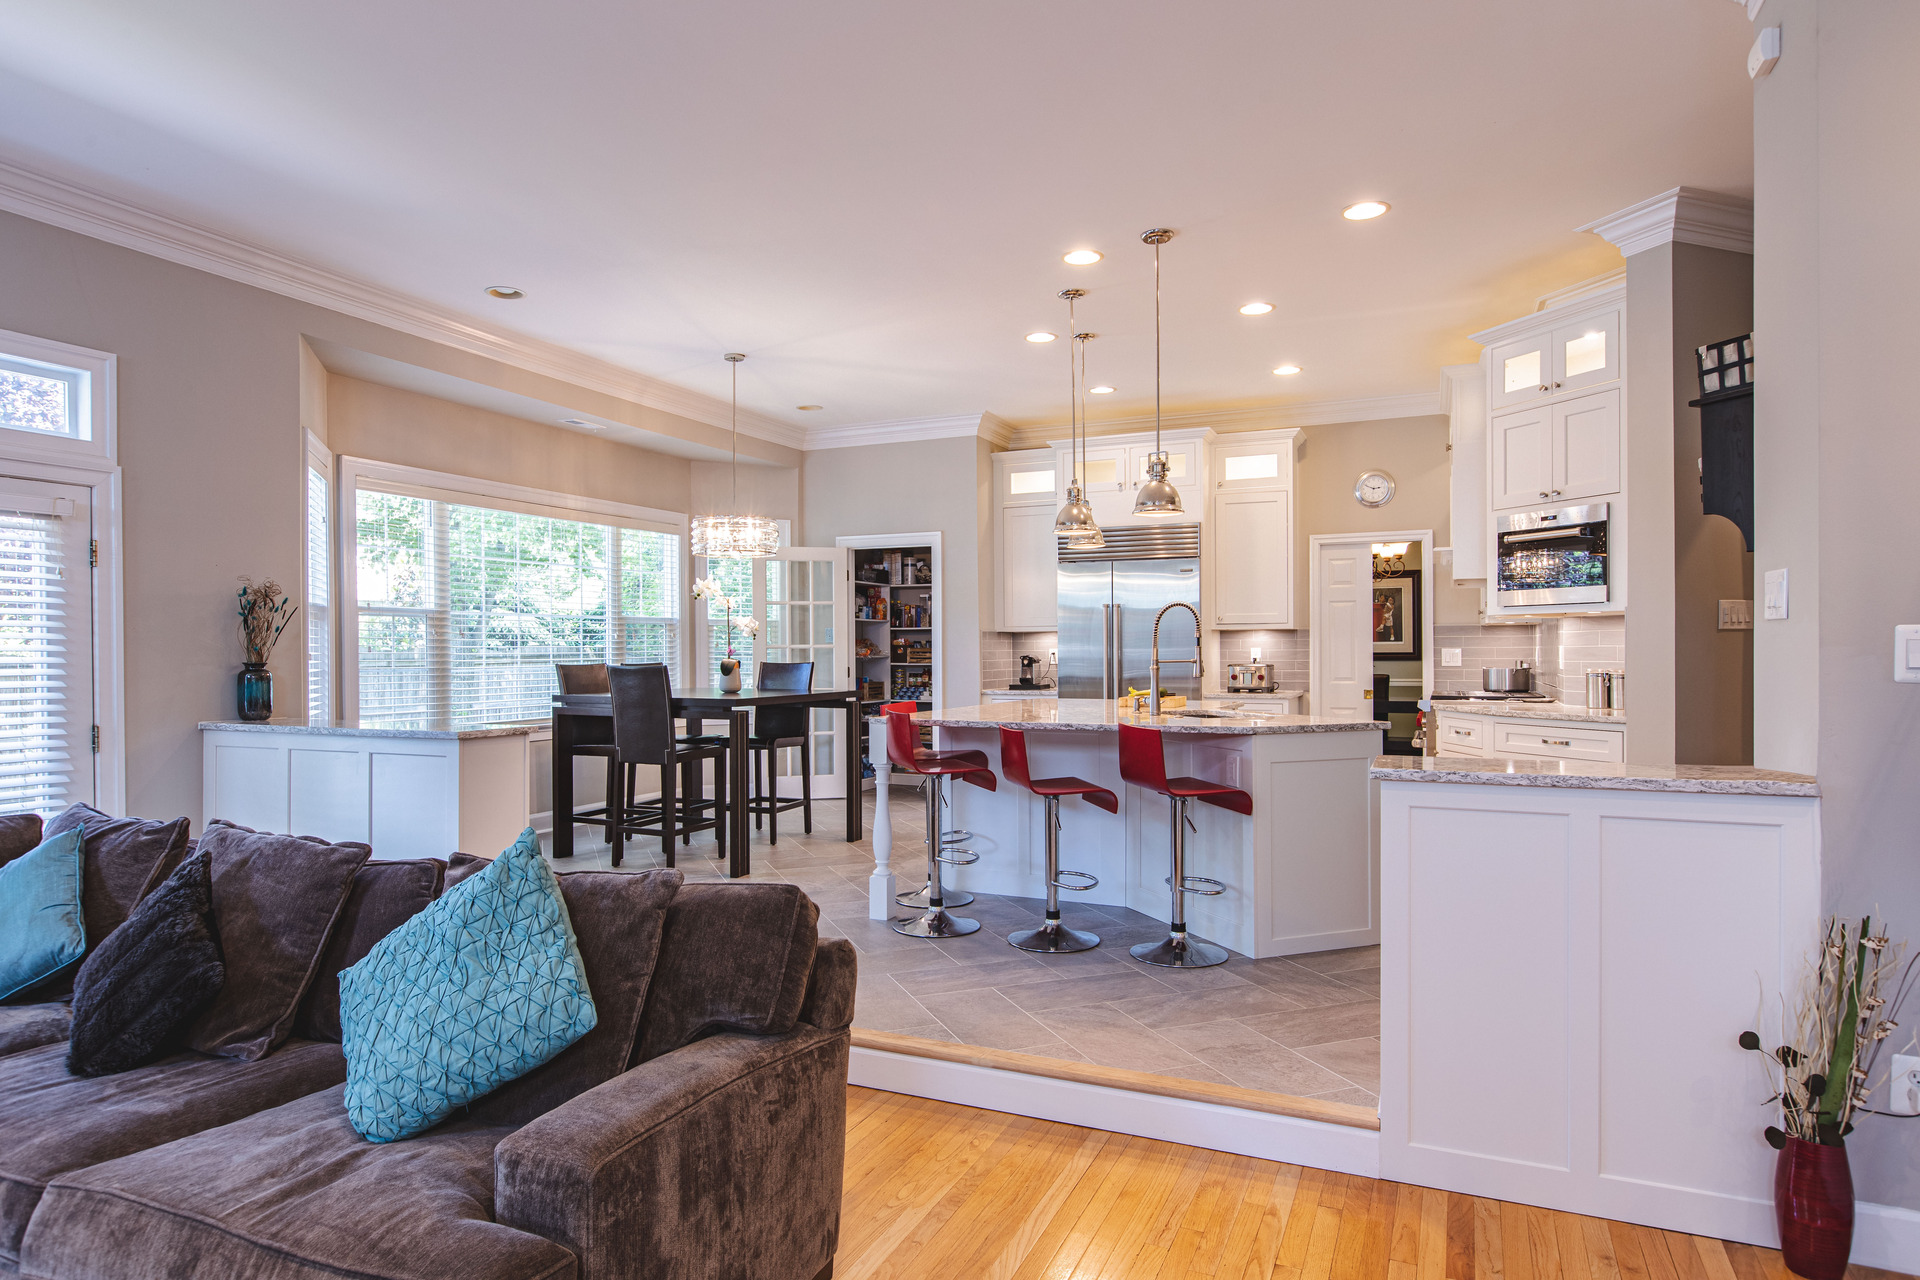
<point>1373,489</point>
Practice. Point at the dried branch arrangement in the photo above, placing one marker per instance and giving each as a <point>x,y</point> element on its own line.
<point>265,612</point>
<point>1822,1076</point>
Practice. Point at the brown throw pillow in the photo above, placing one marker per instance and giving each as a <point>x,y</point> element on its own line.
<point>19,833</point>
<point>275,900</point>
<point>617,920</point>
<point>385,895</point>
<point>137,994</point>
<point>462,865</point>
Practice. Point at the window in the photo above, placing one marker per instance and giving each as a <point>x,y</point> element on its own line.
<point>46,647</point>
<point>49,399</point>
<point>465,609</point>
<point>319,599</point>
<point>723,625</point>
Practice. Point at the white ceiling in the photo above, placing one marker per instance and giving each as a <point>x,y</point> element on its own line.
<point>872,198</point>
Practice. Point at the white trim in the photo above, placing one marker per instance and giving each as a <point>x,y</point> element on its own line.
<point>870,540</point>
<point>1583,303</point>
<point>1614,279</point>
<point>1229,421</point>
<point>1886,1236</point>
<point>907,430</point>
<point>92,213</point>
<point>1207,1125</point>
<point>1687,215</point>
<point>1314,542</point>
<point>101,450</point>
<point>449,487</point>
<point>318,456</point>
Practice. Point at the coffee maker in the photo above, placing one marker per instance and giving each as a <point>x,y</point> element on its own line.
<point>1027,663</point>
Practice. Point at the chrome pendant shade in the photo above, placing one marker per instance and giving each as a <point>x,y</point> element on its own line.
<point>1157,496</point>
<point>735,536</point>
<point>1076,517</point>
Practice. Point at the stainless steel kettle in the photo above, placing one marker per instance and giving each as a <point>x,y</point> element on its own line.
<point>1515,679</point>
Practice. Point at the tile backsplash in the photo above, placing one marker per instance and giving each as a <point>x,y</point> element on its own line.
<point>1572,646</point>
<point>1287,650</point>
<point>1481,647</point>
<point>1000,656</point>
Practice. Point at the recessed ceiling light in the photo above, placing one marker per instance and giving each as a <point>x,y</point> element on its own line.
<point>1040,337</point>
<point>505,292</point>
<point>1287,370</point>
<point>1081,257</point>
<point>1365,209</point>
<point>1256,308</point>
<point>810,407</point>
<point>582,422</point>
<point>1099,391</point>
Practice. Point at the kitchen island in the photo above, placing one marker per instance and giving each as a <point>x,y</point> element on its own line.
<point>1300,873</point>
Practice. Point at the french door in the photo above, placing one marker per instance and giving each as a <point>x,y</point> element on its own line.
<point>47,714</point>
<point>800,597</point>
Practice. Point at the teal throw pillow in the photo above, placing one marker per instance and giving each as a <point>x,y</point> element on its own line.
<point>479,988</point>
<point>42,929</point>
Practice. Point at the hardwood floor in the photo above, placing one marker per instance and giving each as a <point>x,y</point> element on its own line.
<point>942,1192</point>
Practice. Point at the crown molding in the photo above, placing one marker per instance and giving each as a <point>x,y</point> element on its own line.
<point>1226,421</point>
<point>103,217</point>
<point>1687,215</point>
<point>1614,279</point>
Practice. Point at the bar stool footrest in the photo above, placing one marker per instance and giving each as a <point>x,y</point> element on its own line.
<point>1092,881</point>
<point>957,857</point>
<point>1188,882</point>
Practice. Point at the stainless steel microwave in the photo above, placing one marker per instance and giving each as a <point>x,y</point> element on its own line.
<point>1552,557</point>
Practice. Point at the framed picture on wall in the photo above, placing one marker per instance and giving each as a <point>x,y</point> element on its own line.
<point>1396,616</point>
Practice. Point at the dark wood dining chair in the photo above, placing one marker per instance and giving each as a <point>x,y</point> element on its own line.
<point>591,677</point>
<point>643,733</point>
<point>776,729</point>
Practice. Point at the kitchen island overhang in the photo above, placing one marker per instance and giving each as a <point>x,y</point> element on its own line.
<point>1300,874</point>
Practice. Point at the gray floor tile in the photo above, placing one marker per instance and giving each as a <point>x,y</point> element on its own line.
<point>1231,974</point>
<point>1336,961</point>
<point>1320,1026</point>
<point>932,1031</point>
<point>1177,1009</point>
<point>1112,1039</point>
<point>945,975</point>
<point>1367,980</point>
<point>1219,1035</point>
<point>1273,1068</point>
<point>1357,1061</point>
<point>1302,986</point>
<point>1059,990</point>
<point>880,1004</point>
<point>988,1019</point>
<point>1353,1097</point>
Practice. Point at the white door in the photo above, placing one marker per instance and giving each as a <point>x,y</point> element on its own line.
<point>1253,566</point>
<point>1029,568</point>
<point>1342,630</point>
<point>1586,445</point>
<point>46,646</point>
<point>1521,446</point>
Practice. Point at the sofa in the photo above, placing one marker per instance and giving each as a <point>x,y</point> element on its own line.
<point>716,1152</point>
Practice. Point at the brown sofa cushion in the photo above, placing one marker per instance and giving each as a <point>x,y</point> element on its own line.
<point>384,896</point>
<point>735,957</point>
<point>275,900</point>
<point>830,987</point>
<point>617,920</point>
<point>28,1026</point>
<point>462,865</point>
<point>53,1122</point>
<point>19,833</point>
<point>291,1194</point>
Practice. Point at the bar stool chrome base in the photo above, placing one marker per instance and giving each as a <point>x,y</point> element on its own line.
<point>936,923</point>
<point>921,898</point>
<point>1178,951</point>
<point>1053,938</point>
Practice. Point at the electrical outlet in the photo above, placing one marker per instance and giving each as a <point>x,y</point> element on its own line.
<point>1775,596</point>
<point>1256,654</point>
<point>1053,657</point>
<point>1449,657</point>
<point>1903,1090</point>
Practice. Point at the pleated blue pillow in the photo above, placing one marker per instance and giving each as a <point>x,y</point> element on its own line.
<point>478,989</point>
<point>42,927</point>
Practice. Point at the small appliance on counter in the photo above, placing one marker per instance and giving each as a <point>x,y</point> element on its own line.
<point>1027,663</point>
<point>1249,677</point>
<point>1607,690</point>
<point>1515,679</point>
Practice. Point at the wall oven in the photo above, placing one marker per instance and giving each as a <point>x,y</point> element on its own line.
<point>1552,557</point>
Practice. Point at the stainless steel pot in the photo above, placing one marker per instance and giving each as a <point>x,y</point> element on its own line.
<point>1507,679</point>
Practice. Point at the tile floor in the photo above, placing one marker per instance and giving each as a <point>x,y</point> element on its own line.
<point>1307,1025</point>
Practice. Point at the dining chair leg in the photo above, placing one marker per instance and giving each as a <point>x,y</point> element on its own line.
<point>806,782</point>
<point>615,815</point>
<point>669,810</point>
<point>721,797</point>
<point>773,790</point>
<point>754,762</point>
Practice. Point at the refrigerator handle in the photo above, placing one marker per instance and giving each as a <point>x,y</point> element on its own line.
<point>1113,654</point>
<point>1106,652</point>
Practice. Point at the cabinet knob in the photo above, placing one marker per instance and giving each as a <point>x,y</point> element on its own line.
<point>1556,386</point>
<point>1545,494</point>
<point>1545,387</point>
<point>1554,494</point>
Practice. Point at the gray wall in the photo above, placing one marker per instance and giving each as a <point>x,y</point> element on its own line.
<point>1331,457</point>
<point>1836,127</point>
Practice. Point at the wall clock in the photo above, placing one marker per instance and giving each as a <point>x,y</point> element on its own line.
<point>1373,489</point>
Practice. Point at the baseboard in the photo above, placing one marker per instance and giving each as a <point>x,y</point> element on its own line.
<point>1887,1236</point>
<point>1343,1147</point>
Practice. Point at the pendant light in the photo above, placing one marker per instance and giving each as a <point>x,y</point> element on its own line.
<point>1090,537</point>
<point>1157,497</point>
<point>1076,517</point>
<point>735,536</point>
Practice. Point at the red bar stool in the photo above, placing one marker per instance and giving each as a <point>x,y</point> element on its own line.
<point>919,898</point>
<point>1053,936</point>
<point>1143,762</point>
<point>905,751</point>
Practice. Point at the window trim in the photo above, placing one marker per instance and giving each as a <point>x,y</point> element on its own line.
<point>92,464</point>
<point>319,457</point>
<point>441,486</point>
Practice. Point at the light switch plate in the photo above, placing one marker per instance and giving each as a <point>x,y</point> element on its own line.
<point>1256,654</point>
<point>1736,615</point>
<point>1903,1088</point>
<point>1449,657</point>
<point>1906,655</point>
<point>1776,595</point>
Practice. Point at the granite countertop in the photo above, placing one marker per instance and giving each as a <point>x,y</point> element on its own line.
<point>1217,695</point>
<point>1712,779</point>
<point>1092,715</point>
<point>341,731</point>
<point>1031,693</point>
<point>1560,711</point>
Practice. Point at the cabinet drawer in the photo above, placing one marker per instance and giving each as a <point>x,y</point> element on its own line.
<point>1543,740</point>
<point>1460,736</point>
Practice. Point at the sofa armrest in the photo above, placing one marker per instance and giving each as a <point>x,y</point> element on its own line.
<point>722,1158</point>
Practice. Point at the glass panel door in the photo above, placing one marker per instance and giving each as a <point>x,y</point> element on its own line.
<point>806,615</point>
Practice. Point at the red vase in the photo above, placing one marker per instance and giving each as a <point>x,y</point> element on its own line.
<point>1813,1203</point>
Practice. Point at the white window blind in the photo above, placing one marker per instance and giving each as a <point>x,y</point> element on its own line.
<point>46,652</point>
<point>319,601</point>
<point>464,610</point>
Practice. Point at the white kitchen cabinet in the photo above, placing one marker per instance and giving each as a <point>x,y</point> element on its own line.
<point>1026,502</point>
<point>1249,532</point>
<point>1557,358</point>
<point>1557,452</point>
<point>1586,352</point>
<point>1116,466</point>
<point>1457,734</point>
<point>1102,471</point>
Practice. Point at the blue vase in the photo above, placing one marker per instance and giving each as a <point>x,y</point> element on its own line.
<point>256,692</point>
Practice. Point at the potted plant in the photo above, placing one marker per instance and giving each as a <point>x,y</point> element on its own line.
<point>265,612</point>
<point>1821,1080</point>
<point>709,589</point>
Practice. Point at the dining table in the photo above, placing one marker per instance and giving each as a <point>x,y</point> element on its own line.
<point>586,719</point>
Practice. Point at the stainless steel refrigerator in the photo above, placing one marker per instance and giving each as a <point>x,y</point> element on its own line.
<point>1108,599</point>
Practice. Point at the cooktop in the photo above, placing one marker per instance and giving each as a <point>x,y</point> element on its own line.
<point>1482,696</point>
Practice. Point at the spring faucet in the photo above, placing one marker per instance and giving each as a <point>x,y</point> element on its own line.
<point>1153,669</point>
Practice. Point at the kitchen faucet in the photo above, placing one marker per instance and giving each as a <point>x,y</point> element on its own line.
<point>1153,668</point>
